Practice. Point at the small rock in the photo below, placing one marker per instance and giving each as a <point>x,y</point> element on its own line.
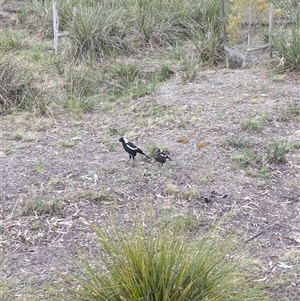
<point>3,154</point>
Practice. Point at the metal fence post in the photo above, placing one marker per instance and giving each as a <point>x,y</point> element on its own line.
<point>271,10</point>
<point>225,33</point>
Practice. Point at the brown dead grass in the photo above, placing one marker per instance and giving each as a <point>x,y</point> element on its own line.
<point>78,169</point>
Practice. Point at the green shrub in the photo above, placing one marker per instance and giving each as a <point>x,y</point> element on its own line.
<point>247,157</point>
<point>286,40</point>
<point>97,31</point>
<point>15,87</point>
<point>206,31</point>
<point>10,40</point>
<point>41,207</point>
<point>129,80</point>
<point>82,81</point>
<point>36,19</point>
<point>144,263</point>
<point>276,151</point>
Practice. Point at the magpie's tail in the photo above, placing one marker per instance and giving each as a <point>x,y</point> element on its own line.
<point>142,153</point>
<point>146,156</point>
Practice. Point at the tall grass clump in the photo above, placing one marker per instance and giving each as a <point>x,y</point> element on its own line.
<point>15,87</point>
<point>208,34</point>
<point>82,81</point>
<point>83,88</point>
<point>10,41</point>
<point>157,23</point>
<point>141,263</point>
<point>286,41</point>
<point>97,31</point>
<point>121,27</point>
<point>129,80</point>
<point>37,17</point>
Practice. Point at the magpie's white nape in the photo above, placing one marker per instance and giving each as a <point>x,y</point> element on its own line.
<point>161,156</point>
<point>131,149</point>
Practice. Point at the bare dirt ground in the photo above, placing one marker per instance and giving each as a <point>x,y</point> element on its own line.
<point>58,173</point>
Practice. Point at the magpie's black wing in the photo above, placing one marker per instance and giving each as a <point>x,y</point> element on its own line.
<point>131,146</point>
<point>163,154</point>
<point>166,156</point>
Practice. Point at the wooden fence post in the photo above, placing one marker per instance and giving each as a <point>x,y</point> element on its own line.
<point>74,15</point>
<point>225,33</point>
<point>271,10</point>
<point>55,28</point>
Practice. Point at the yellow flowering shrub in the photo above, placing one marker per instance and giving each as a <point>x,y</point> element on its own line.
<point>246,12</point>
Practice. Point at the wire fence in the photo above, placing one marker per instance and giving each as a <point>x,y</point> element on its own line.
<point>249,24</point>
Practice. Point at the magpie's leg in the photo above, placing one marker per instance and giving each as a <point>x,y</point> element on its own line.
<point>132,161</point>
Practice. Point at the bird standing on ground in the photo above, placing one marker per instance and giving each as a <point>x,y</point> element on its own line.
<point>161,157</point>
<point>131,149</point>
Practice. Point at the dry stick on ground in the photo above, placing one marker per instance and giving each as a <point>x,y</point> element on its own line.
<point>256,235</point>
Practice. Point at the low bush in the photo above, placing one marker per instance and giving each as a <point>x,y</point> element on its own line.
<point>143,263</point>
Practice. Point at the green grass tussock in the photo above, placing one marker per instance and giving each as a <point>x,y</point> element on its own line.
<point>15,86</point>
<point>11,41</point>
<point>144,263</point>
<point>286,41</point>
<point>97,32</point>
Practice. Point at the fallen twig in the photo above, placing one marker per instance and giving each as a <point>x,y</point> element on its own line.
<point>256,235</point>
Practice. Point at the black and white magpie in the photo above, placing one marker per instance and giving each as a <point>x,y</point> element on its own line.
<point>161,157</point>
<point>131,149</point>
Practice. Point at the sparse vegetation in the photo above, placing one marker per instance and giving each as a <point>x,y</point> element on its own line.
<point>253,123</point>
<point>276,151</point>
<point>18,136</point>
<point>41,207</point>
<point>95,196</point>
<point>294,109</point>
<point>142,72</point>
<point>254,163</point>
<point>67,144</point>
<point>189,193</point>
<point>238,141</point>
<point>247,158</point>
<point>170,190</point>
<point>190,70</point>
